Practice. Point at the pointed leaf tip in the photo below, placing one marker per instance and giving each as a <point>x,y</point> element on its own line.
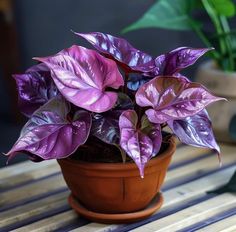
<point>174,61</point>
<point>141,144</point>
<point>49,135</point>
<point>172,98</point>
<point>196,131</point>
<point>120,50</point>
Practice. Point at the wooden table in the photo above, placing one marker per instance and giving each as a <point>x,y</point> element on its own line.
<point>33,197</point>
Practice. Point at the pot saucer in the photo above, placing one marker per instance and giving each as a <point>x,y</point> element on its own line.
<point>154,205</point>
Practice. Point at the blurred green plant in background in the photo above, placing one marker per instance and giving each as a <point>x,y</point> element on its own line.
<point>179,15</point>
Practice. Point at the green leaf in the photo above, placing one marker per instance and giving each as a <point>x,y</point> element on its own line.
<point>167,14</point>
<point>224,7</point>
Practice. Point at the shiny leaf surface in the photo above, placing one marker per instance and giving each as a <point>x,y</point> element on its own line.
<point>120,50</point>
<point>35,88</point>
<point>195,130</point>
<point>49,134</point>
<point>82,76</point>
<point>141,144</point>
<point>172,98</point>
<point>178,59</point>
<point>106,125</point>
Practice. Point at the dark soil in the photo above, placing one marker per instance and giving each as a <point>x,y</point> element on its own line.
<point>94,150</point>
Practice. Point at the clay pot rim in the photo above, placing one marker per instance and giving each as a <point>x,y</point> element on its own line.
<point>120,166</point>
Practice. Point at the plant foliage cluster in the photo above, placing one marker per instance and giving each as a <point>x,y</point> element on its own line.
<point>116,93</point>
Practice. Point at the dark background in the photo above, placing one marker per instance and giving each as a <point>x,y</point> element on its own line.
<point>31,28</point>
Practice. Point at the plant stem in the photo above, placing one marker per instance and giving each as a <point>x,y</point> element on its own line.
<point>230,33</point>
<point>215,20</point>
<point>228,41</point>
<point>201,35</point>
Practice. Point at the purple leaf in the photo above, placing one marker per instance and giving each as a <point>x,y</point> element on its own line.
<point>173,98</point>
<point>174,61</point>
<point>49,134</point>
<point>105,126</point>
<point>132,59</point>
<point>179,75</point>
<point>120,50</point>
<point>82,76</point>
<point>35,88</point>
<point>141,144</point>
<point>135,80</point>
<point>195,130</point>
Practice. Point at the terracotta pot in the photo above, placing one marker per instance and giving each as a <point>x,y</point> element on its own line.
<point>116,187</point>
<point>222,113</point>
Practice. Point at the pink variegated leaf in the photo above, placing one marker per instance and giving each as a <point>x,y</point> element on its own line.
<point>141,144</point>
<point>174,61</point>
<point>49,134</point>
<point>196,131</point>
<point>130,58</point>
<point>172,98</point>
<point>83,76</point>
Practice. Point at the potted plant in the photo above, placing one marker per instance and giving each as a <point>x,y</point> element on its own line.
<point>85,114</point>
<point>218,74</point>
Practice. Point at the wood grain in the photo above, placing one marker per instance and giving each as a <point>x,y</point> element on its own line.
<point>37,189</point>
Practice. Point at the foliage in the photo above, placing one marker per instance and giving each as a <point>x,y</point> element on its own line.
<point>79,92</point>
<point>178,15</point>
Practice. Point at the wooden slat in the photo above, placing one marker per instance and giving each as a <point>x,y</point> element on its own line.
<point>201,166</point>
<point>41,207</point>
<point>197,187</point>
<point>35,188</point>
<point>192,215</point>
<point>33,209</point>
<point>29,171</point>
<point>177,195</point>
<point>51,223</point>
<point>32,190</point>
<point>23,167</point>
<point>29,176</point>
<point>96,227</point>
<point>174,196</point>
<point>226,225</point>
<point>185,153</point>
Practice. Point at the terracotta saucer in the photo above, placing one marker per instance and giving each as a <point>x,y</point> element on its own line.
<point>117,218</point>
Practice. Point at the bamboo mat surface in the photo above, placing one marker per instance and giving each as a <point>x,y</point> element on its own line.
<point>33,197</point>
